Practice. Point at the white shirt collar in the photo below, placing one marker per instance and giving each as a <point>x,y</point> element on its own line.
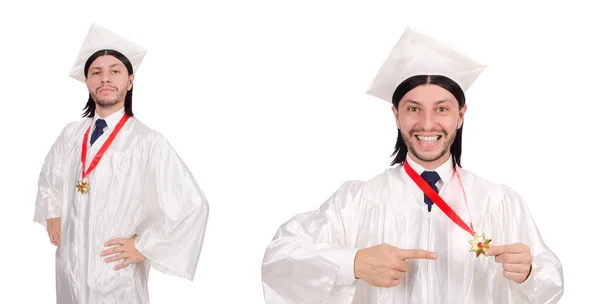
<point>444,170</point>
<point>111,120</point>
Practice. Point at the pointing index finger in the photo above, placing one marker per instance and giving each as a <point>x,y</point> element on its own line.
<point>418,254</point>
<point>511,248</point>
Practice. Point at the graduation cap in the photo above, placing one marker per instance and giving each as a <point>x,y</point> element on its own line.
<point>99,38</point>
<point>418,54</point>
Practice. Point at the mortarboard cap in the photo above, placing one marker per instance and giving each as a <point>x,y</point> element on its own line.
<point>99,38</point>
<point>418,54</point>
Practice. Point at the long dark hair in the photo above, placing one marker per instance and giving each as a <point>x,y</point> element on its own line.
<point>451,86</point>
<point>90,106</point>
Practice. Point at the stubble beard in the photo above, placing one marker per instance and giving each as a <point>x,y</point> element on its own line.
<point>109,103</point>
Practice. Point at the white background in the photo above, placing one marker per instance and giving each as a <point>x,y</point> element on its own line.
<point>265,102</point>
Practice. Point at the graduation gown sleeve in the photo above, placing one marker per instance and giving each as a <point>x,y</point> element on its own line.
<point>546,282</point>
<point>177,213</point>
<point>310,257</point>
<point>48,203</point>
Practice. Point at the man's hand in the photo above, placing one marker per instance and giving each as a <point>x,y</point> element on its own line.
<point>125,250</point>
<point>53,228</point>
<point>384,265</point>
<point>516,260</point>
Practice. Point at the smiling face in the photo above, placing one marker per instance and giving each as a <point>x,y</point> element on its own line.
<point>108,81</point>
<point>428,117</point>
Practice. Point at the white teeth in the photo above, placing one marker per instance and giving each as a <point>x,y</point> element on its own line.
<point>428,139</point>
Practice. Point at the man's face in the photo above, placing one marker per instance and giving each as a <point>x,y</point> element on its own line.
<point>108,81</point>
<point>428,117</point>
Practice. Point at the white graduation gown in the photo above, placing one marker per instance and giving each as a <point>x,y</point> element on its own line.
<point>311,257</point>
<point>140,186</point>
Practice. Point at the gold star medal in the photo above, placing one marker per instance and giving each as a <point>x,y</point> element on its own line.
<point>479,244</point>
<point>83,187</point>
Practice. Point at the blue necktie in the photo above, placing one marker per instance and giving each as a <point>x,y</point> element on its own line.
<point>431,177</point>
<point>100,125</point>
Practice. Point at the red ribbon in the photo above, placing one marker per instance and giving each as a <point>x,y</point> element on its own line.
<point>427,190</point>
<point>103,149</point>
